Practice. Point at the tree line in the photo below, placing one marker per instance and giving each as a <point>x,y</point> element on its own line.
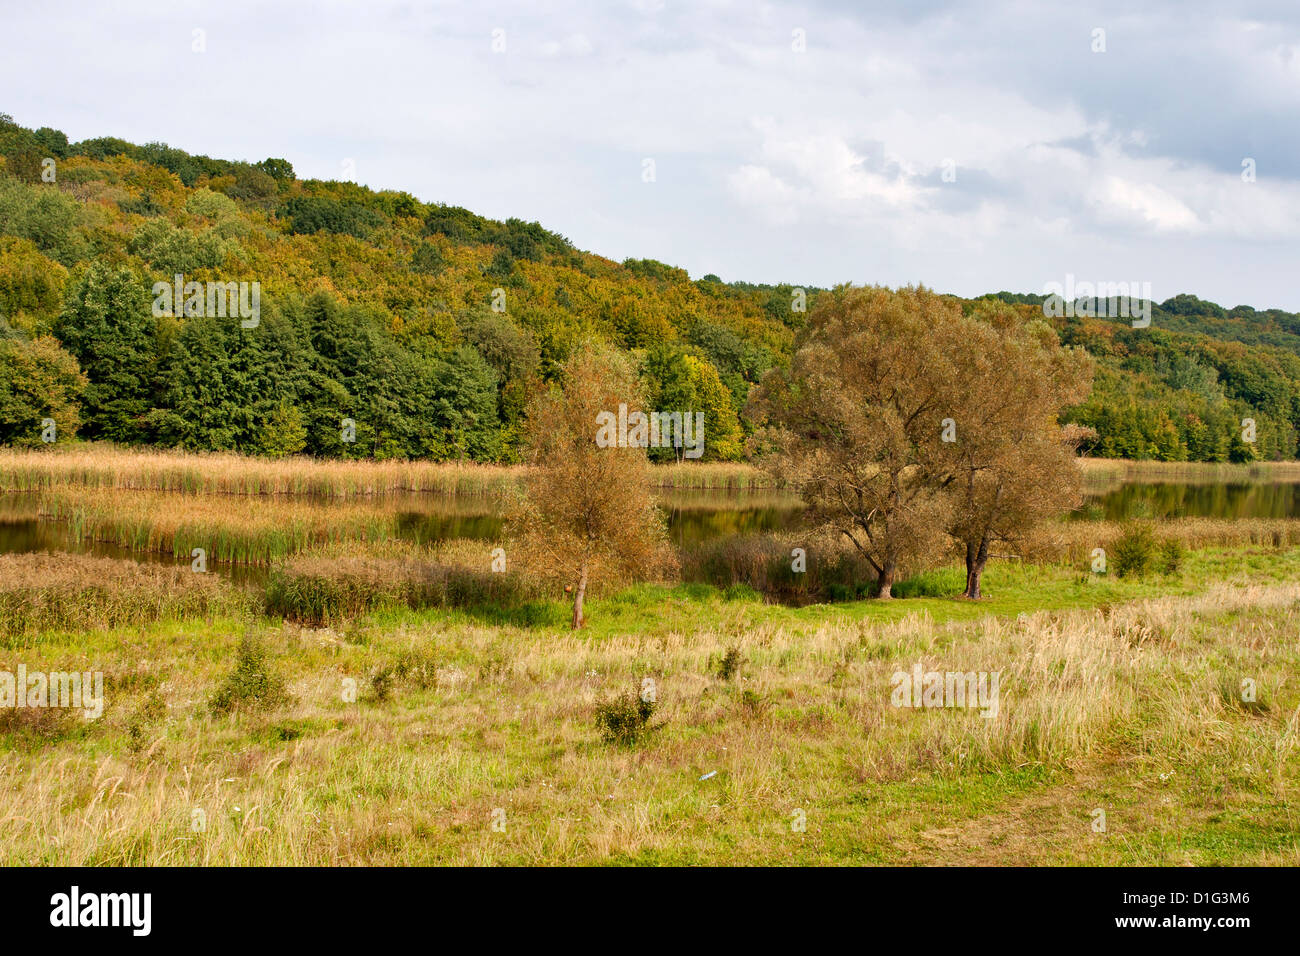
<point>430,327</point>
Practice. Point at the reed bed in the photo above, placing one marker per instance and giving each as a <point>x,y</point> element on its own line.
<point>1101,474</point>
<point>256,531</point>
<point>713,476</point>
<point>1075,540</point>
<point>45,592</point>
<point>109,467</point>
<point>324,591</point>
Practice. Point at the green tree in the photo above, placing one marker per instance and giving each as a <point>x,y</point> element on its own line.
<point>108,325</point>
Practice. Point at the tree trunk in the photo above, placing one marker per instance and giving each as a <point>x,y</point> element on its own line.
<point>578,593</point>
<point>976,557</point>
<point>885,583</point>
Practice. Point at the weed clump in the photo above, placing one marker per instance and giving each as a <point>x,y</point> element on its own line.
<point>753,706</point>
<point>727,665</point>
<point>624,720</point>
<point>252,684</point>
<point>1171,556</point>
<point>1136,551</point>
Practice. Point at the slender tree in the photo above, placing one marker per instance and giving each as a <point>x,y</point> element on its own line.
<point>1010,466</point>
<point>587,514</point>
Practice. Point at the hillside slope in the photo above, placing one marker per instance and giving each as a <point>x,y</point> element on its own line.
<point>389,327</point>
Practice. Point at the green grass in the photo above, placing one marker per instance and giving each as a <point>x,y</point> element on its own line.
<point>480,713</point>
<point>1010,588</point>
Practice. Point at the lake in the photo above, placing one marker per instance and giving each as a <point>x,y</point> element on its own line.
<point>693,516</point>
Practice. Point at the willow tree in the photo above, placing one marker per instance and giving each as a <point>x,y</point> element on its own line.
<point>855,422</point>
<point>586,515</point>
<point>1009,465</point>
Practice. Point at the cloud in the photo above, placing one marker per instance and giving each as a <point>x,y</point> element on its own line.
<point>773,164</point>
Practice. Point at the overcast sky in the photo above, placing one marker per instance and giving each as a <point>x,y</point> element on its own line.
<point>804,143</point>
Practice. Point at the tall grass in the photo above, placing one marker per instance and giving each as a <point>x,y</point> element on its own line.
<point>326,591</point>
<point>766,563</point>
<point>77,593</point>
<point>257,531</point>
<point>109,467</point>
<point>1075,540</point>
<point>1137,709</point>
<point>1101,474</point>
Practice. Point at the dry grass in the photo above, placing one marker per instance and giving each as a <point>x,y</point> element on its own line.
<point>1124,710</point>
<point>256,531</point>
<point>1075,540</point>
<point>108,467</point>
<point>74,592</point>
<point>1104,473</point>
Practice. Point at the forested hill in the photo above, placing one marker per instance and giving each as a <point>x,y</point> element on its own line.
<point>427,327</point>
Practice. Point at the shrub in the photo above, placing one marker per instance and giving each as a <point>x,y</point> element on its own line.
<point>728,664</point>
<point>1171,556</point>
<point>624,720</point>
<point>1135,551</point>
<point>251,684</point>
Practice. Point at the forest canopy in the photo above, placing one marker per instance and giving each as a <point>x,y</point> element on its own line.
<point>429,328</point>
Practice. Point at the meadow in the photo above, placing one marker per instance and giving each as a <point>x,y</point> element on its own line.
<point>474,740</point>
<point>377,699</point>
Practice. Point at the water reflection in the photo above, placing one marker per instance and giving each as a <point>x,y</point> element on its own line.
<point>1175,500</point>
<point>693,516</point>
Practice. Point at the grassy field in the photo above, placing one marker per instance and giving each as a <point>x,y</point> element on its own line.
<point>474,738</point>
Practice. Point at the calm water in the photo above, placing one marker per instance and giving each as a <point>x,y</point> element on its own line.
<point>1172,500</point>
<point>693,517</point>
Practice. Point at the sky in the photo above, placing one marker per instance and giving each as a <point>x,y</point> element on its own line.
<point>969,146</point>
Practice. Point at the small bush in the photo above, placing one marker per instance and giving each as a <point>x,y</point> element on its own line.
<point>412,669</point>
<point>1171,556</point>
<point>1135,551</point>
<point>148,712</point>
<point>251,684</point>
<point>624,720</point>
<point>727,665</point>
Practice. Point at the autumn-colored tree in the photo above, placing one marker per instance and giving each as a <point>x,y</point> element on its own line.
<point>586,514</point>
<point>855,423</point>
<point>39,382</point>
<point>1010,464</point>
